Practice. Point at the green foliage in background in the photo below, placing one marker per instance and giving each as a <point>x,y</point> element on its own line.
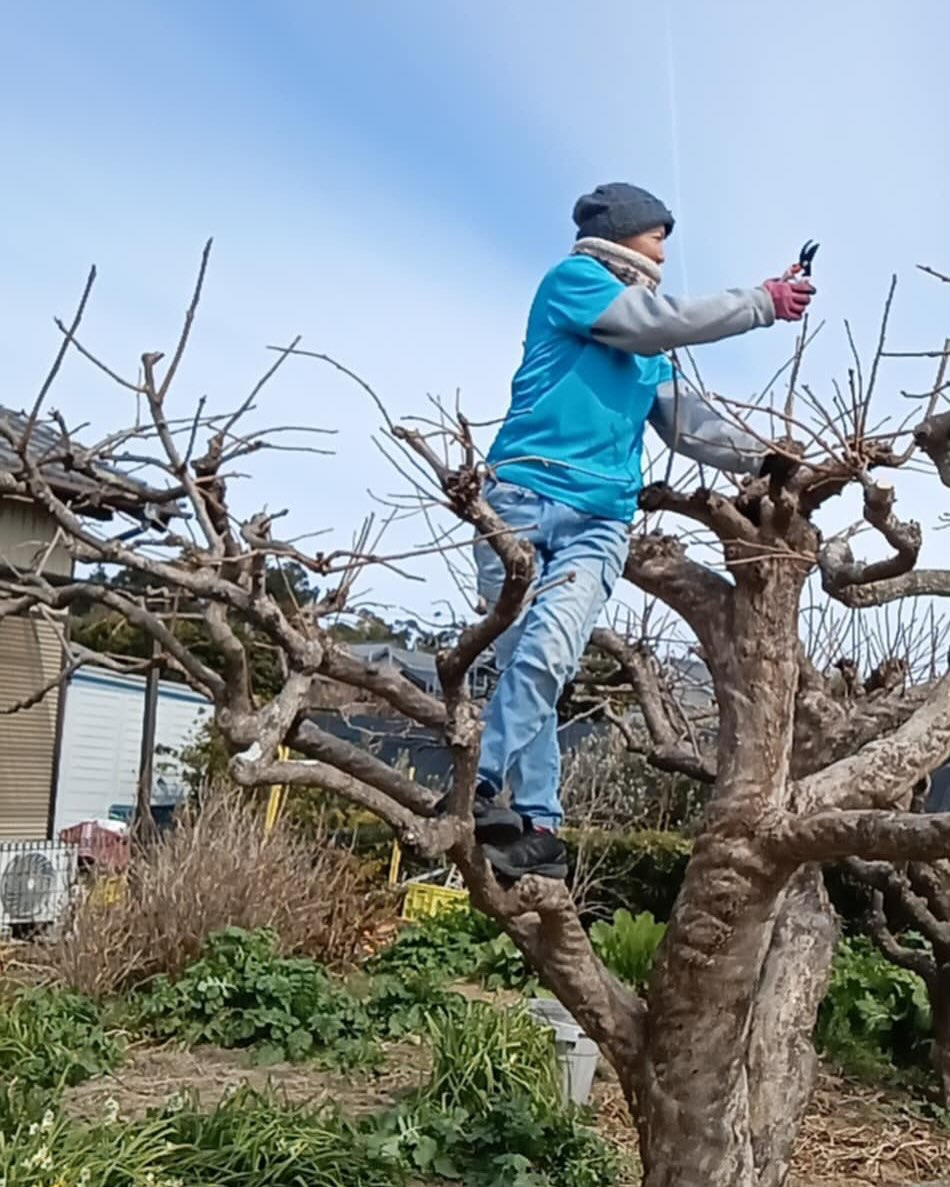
<point>241,993</point>
<point>628,945</point>
<point>875,1020</point>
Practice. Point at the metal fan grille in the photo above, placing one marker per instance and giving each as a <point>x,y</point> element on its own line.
<point>26,885</point>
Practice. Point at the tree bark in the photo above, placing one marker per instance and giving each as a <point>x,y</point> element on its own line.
<point>693,1089</point>
<point>782,1062</point>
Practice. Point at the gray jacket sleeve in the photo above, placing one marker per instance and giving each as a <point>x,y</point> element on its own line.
<point>694,429</point>
<point>647,323</point>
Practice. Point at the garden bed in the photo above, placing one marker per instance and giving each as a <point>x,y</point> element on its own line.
<point>853,1135</point>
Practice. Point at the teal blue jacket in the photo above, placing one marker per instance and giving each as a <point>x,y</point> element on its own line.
<point>594,374</point>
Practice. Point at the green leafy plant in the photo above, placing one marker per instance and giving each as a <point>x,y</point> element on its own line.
<point>875,1019</point>
<point>628,945</point>
<point>482,1055</point>
<point>442,947</point>
<point>250,1138</point>
<point>241,993</point>
<point>501,966</point>
<point>493,1113</point>
<point>52,1037</point>
<point>510,1145</point>
<point>397,1006</point>
<point>256,1139</point>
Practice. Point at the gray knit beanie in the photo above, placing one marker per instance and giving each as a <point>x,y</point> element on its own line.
<point>619,211</point>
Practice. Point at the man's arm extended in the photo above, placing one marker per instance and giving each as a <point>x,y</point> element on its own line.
<point>692,428</point>
<point>646,323</point>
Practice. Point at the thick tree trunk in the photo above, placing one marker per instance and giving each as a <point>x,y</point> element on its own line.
<point>693,1092</point>
<point>782,1063</point>
<point>707,1107</point>
<point>747,1080</point>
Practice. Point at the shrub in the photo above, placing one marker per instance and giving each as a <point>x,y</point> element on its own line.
<point>875,1018</point>
<point>214,870</point>
<point>242,993</point>
<point>605,785</point>
<point>628,945</point>
<point>441,947</point>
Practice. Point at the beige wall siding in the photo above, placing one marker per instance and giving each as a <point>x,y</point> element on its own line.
<point>30,655</point>
<point>25,533</point>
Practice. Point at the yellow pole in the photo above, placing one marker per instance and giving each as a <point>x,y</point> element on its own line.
<point>395,859</point>
<point>275,799</point>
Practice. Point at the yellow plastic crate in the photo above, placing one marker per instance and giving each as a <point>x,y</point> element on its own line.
<point>424,900</point>
<point>106,892</point>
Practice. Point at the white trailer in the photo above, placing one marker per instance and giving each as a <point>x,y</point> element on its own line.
<point>101,743</point>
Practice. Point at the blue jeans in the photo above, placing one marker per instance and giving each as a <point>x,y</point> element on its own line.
<point>541,651</point>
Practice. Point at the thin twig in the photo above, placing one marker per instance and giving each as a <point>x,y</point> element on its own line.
<point>934,272</point>
<point>325,358</point>
<point>60,355</point>
<point>877,355</point>
<point>186,328</point>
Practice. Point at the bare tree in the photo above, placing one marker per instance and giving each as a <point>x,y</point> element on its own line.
<point>716,1061</point>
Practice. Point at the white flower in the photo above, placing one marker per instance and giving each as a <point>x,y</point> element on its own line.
<point>49,1120</point>
<point>41,1160</point>
<point>111,1111</point>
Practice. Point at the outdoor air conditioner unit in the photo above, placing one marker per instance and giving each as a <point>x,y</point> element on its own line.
<point>36,883</point>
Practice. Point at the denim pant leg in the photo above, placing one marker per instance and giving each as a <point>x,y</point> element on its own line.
<point>584,557</point>
<point>523,510</point>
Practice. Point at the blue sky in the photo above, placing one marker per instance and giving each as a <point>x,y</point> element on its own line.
<point>391,179</point>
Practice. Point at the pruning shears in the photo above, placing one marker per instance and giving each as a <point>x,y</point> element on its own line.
<point>805,258</point>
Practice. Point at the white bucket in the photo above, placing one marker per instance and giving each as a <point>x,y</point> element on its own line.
<point>576,1053</point>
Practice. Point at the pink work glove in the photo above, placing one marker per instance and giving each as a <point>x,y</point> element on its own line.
<point>790,298</point>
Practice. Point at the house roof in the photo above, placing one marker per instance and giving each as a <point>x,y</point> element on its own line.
<point>100,496</point>
<point>419,666</point>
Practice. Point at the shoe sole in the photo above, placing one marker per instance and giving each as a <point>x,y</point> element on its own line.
<point>500,863</point>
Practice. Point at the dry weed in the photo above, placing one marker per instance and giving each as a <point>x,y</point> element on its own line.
<point>217,869</point>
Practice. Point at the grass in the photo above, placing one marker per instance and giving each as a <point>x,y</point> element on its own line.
<point>490,1112</point>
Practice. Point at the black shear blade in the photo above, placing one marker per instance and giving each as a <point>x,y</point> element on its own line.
<point>806,256</point>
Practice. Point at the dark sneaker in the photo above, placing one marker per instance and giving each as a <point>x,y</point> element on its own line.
<point>533,853</point>
<point>495,824</point>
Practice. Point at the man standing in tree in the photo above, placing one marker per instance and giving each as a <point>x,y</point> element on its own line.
<point>566,471</point>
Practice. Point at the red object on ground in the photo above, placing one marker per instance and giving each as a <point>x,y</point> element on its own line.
<point>100,846</point>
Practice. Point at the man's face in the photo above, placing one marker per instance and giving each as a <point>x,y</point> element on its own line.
<point>651,244</point>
